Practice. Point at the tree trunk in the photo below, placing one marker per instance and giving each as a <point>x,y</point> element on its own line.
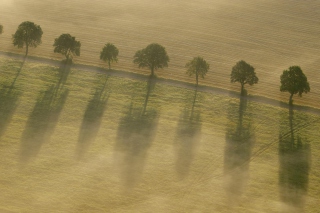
<point>109,64</point>
<point>242,87</point>
<point>152,71</point>
<point>27,49</point>
<point>67,55</point>
<point>197,78</point>
<point>290,99</point>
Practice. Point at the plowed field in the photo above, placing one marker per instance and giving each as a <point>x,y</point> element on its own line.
<point>270,35</point>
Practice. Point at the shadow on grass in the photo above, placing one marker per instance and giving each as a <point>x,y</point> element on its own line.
<point>136,132</point>
<point>294,158</point>
<point>92,119</point>
<point>9,97</point>
<point>43,118</point>
<point>187,137</point>
<point>19,71</point>
<point>239,143</point>
<point>63,73</point>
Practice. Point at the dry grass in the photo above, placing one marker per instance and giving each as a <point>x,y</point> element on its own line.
<point>270,35</point>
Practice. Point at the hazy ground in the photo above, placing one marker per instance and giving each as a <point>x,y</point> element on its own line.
<point>270,35</point>
<point>91,144</point>
<point>101,144</point>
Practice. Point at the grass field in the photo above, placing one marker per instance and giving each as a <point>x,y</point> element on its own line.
<point>91,143</point>
<point>270,35</point>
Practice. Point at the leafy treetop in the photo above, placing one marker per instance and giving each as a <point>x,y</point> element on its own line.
<point>67,45</point>
<point>154,56</point>
<point>109,53</point>
<point>294,81</point>
<point>28,34</point>
<point>197,66</point>
<point>243,73</point>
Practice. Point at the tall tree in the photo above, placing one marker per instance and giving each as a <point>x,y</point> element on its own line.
<point>28,34</point>
<point>294,81</point>
<point>243,73</point>
<point>1,29</point>
<point>67,45</point>
<point>154,56</point>
<point>197,66</point>
<point>109,53</point>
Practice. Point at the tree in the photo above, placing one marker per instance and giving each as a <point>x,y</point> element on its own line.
<point>1,29</point>
<point>67,46</point>
<point>294,81</point>
<point>28,34</point>
<point>109,53</point>
<point>243,73</point>
<point>197,66</point>
<point>154,56</point>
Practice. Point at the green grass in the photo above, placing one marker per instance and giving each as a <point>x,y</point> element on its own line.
<point>97,145</point>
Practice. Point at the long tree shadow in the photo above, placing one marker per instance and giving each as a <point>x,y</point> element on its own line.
<point>19,71</point>
<point>9,97</point>
<point>43,118</point>
<point>63,73</point>
<point>187,136</point>
<point>294,157</point>
<point>92,119</point>
<point>237,154</point>
<point>136,132</point>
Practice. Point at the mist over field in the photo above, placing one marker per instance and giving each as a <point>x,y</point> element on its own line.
<point>74,140</point>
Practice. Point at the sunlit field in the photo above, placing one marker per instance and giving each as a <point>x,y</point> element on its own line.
<point>80,139</point>
<point>89,142</point>
<point>270,35</point>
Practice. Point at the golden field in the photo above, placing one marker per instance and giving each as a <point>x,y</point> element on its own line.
<point>126,144</point>
<point>270,35</point>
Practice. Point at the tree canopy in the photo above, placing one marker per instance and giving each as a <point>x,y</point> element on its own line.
<point>294,81</point>
<point>28,34</point>
<point>154,56</point>
<point>1,29</point>
<point>67,45</point>
<point>197,66</point>
<point>243,73</point>
<point>109,53</point>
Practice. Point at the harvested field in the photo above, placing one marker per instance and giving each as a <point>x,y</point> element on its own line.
<point>270,35</point>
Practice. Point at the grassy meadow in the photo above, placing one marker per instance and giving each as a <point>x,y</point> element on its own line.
<point>270,35</point>
<point>79,141</point>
